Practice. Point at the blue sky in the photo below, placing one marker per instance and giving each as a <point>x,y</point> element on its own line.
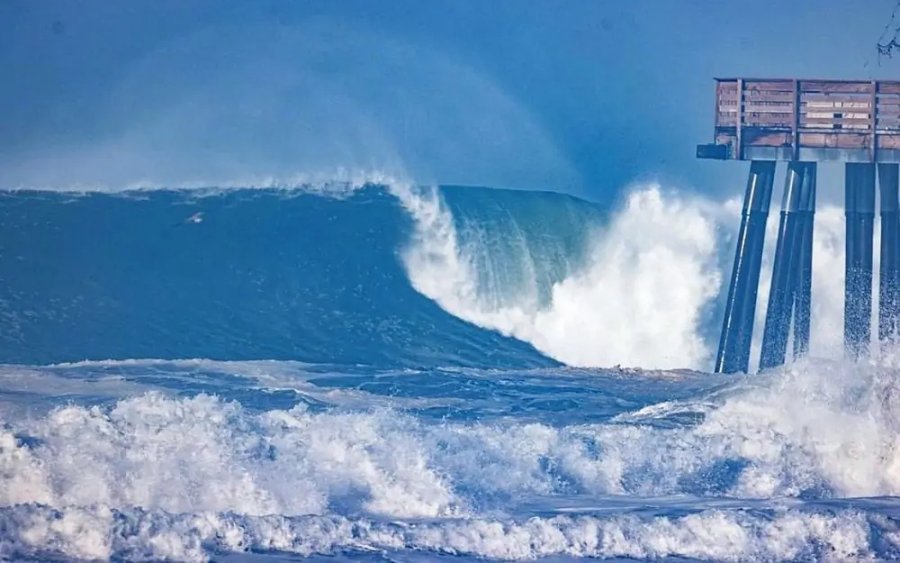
<point>584,97</point>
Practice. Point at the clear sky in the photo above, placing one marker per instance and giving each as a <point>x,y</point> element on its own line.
<point>580,96</point>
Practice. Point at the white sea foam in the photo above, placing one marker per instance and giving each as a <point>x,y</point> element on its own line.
<point>816,428</point>
<point>208,472</point>
<point>100,533</point>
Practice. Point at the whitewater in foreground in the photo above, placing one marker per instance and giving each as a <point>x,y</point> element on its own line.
<point>385,378</point>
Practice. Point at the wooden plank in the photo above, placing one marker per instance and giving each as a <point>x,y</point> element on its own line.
<point>888,87</point>
<point>727,87</point>
<point>848,115</point>
<point>824,112</point>
<point>787,110</point>
<point>845,121</point>
<point>819,139</point>
<point>727,98</point>
<point>768,85</point>
<point>769,96</point>
<point>726,119</point>
<point>834,100</point>
<point>768,103</point>
<point>889,141</point>
<point>769,107</point>
<point>834,86</point>
<point>836,105</point>
<point>766,137</point>
<point>768,119</point>
<point>836,112</point>
<point>836,117</point>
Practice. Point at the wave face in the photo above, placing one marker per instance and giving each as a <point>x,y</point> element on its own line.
<point>389,372</point>
<point>239,274</point>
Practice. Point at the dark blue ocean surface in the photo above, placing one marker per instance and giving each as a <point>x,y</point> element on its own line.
<point>260,274</point>
<point>271,375</point>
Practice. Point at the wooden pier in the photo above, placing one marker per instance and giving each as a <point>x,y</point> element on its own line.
<point>803,122</point>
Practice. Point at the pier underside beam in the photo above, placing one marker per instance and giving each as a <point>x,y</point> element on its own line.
<point>889,276</point>
<point>860,218</point>
<point>740,308</point>
<point>789,293</point>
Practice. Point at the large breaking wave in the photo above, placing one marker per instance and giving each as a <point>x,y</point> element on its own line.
<point>635,284</point>
<point>608,300</point>
<point>315,274</point>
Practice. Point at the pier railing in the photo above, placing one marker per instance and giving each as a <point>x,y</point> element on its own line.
<point>814,120</point>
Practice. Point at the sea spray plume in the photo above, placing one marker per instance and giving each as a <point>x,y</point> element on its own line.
<point>293,99</point>
<point>639,301</point>
<point>827,312</point>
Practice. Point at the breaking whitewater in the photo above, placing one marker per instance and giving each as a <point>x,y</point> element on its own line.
<point>388,372</point>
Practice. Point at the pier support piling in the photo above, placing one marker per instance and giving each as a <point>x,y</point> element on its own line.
<point>860,218</point>
<point>803,289</point>
<point>802,122</point>
<point>889,275</point>
<point>789,293</point>
<point>740,308</point>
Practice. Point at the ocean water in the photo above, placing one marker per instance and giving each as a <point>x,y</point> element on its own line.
<point>387,372</point>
